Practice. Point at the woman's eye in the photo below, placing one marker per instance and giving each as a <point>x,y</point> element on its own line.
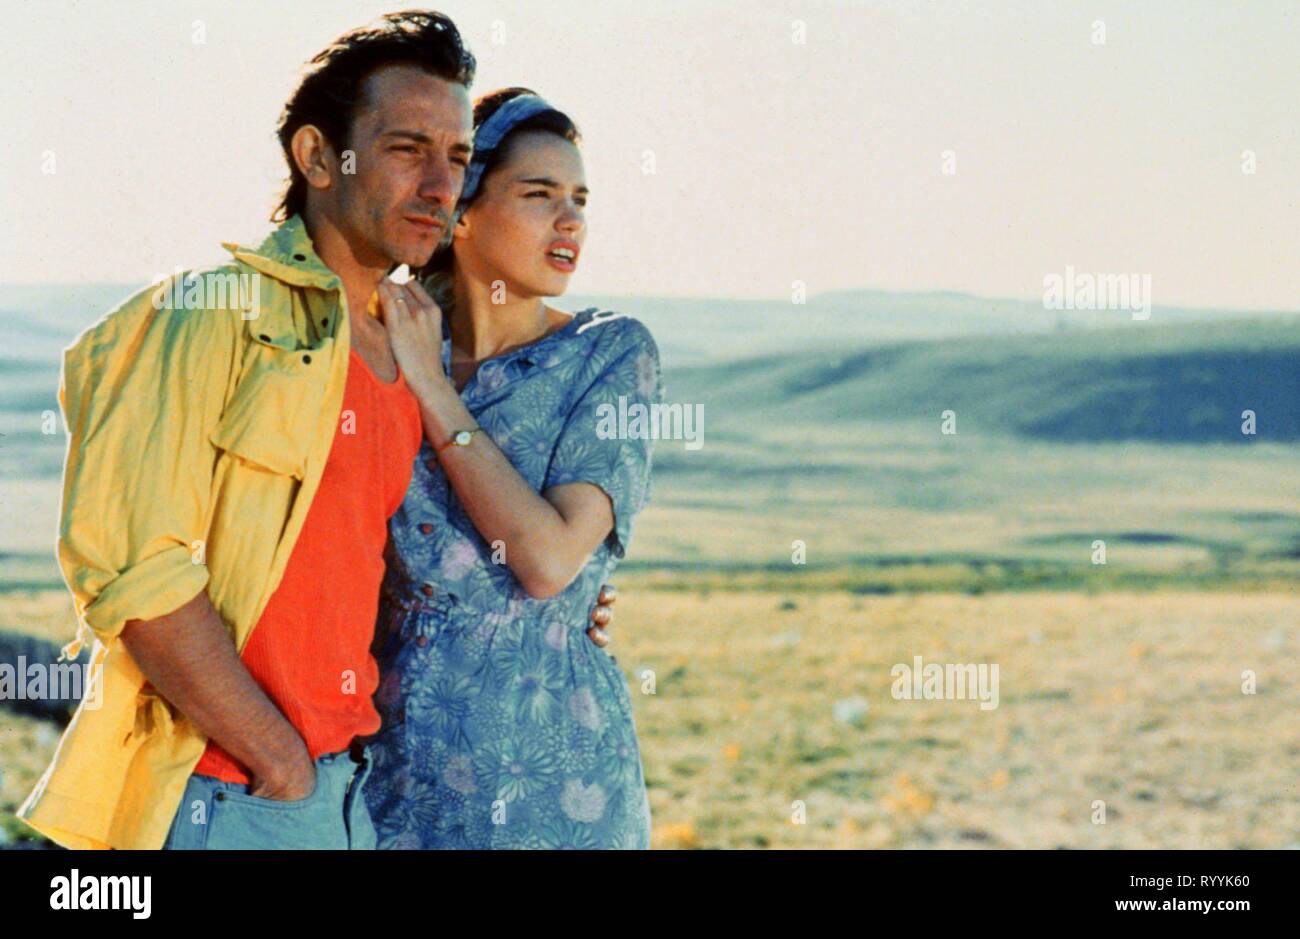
<point>539,192</point>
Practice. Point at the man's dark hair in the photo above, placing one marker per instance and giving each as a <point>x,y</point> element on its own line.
<point>331,87</point>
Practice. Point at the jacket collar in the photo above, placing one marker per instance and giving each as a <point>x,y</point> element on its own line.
<point>288,255</point>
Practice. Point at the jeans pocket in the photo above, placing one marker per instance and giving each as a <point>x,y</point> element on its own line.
<point>247,797</point>
<point>243,822</point>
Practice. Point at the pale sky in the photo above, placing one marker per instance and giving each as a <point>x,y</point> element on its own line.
<point>775,160</point>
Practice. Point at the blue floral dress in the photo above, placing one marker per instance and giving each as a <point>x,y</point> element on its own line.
<point>505,726</point>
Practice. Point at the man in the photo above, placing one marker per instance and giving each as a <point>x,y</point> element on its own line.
<point>230,471</point>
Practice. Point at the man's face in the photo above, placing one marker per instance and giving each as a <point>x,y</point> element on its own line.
<point>412,135</point>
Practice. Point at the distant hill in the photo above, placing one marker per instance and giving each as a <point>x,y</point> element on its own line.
<point>1185,383</point>
<point>831,434</point>
<point>692,331</point>
<point>37,321</point>
<point>1004,366</point>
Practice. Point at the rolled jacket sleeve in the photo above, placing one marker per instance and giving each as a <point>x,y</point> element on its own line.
<point>140,392</point>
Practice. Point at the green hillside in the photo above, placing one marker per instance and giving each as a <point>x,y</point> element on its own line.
<point>1129,436</point>
<point>1174,384</point>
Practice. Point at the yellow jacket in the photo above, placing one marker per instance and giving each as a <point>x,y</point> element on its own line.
<point>197,436</point>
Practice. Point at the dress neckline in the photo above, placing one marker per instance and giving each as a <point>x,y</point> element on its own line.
<point>532,353</point>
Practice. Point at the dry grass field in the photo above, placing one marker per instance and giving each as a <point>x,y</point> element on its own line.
<point>1132,699</point>
<point>763,699</point>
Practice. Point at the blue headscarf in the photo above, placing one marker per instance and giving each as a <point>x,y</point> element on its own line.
<point>494,130</point>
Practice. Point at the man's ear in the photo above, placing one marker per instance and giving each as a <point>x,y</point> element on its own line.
<point>313,156</point>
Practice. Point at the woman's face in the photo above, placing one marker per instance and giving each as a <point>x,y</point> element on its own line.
<point>529,213</point>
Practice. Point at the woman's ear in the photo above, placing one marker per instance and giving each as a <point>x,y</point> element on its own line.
<point>312,155</point>
<point>461,228</point>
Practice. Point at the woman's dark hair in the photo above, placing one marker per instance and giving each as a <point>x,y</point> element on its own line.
<point>331,87</point>
<point>436,275</point>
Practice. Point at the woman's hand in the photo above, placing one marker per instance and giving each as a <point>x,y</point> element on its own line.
<point>414,324</point>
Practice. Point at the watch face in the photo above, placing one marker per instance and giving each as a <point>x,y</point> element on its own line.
<point>463,437</point>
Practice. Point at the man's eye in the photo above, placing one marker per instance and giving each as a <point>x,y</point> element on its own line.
<point>406,148</point>
<point>540,192</point>
<point>461,161</point>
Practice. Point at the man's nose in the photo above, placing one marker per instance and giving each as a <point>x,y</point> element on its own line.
<point>440,183</point>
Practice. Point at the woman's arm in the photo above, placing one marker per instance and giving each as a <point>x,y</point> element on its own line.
<point>547,537</point>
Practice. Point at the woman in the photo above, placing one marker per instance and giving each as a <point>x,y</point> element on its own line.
<point>504,726</point>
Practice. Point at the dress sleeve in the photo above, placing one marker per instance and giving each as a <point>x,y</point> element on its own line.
<point>595,444</point>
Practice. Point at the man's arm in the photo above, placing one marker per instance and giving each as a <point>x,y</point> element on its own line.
<point>141,391</point>
<point>188,656</point>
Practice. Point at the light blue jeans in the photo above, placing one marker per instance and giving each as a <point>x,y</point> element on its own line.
<point>216,815</point>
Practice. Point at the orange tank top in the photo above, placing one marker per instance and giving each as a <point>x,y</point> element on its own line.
<point>310,650</point>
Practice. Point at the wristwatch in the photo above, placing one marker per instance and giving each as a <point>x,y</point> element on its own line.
<point>459,438</point>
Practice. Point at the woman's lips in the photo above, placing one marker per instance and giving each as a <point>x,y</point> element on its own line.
<point>563,255</point>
